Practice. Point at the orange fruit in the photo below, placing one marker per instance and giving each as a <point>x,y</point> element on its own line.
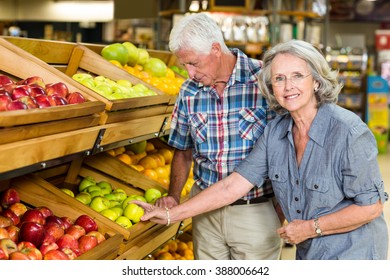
<point>119,150</point>
<point>148,162</point>
<point>163,181</point>
<point>172,246</point>
<point>162,172</point>
<point>159,159</point>
<point>137,167</point>
<point>111,152</point>
<point>149,147</point>
<point>181,246</point>
<point>116,63</point>
<point>165,256</point>
<point>150,173</point>
<point>188,254</point>
<point>167,154</point>
<point>124,158</point>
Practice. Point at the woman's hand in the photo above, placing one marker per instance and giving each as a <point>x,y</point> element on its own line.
<point>297,231</point>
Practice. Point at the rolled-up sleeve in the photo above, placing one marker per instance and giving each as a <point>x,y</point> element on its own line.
<point>361,176</point>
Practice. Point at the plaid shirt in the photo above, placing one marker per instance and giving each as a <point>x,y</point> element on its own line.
<point>221,130</point>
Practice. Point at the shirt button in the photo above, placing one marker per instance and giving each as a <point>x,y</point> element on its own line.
<point>315,186</point>
<point>299,211</point>
<point>252,119</point>
<point>276,176</point>
<point>296,182</point>
<point>296,199</point>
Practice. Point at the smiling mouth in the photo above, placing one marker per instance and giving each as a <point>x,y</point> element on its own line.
<point>292,96</point>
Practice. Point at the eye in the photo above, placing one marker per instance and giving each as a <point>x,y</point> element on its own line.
<point>297,76</point>
<point>279,78</point>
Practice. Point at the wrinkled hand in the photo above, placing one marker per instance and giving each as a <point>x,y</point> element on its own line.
<point>152,212</point>
<point>296,231</point>
<point>166,201</point>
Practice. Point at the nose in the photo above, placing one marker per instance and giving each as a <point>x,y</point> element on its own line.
<point>191,71</point>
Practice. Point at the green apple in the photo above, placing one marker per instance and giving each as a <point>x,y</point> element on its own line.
<point>140,88</point>
<point>118,210</point>
<point>110,196</point>
<point>125,83</point>
<point>96,193</point>
<point>152,194</point>
<point>67,191</point>
<point>89,83</point>
<point>84,198</point>
<point>105,186</point>
<point>123,221</point>
<point>109,213</point>
<point>93,188</point>
<point>131,198</point>
<point>86,182</point>
<point>133,212</point>
<point>99,203</point>
<point>119,196</point>
<point>114,203</point>
<point>81,76</point>
<point>120,190</point>
<point>133,53</point>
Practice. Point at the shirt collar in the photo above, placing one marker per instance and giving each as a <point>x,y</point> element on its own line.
<point>319,125</point>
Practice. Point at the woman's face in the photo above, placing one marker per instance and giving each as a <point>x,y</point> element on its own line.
<point>292,83</point>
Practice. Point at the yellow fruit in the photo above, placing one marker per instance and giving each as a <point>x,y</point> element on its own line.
<point>165,256</point>
<point>181,246</point>
<point>167,154</point>
<point>164,182</point>
<point>120,150</point>
<point>116,63</point>
<point>159,159</point>
<point>184,192</point>
<point>188,254</point>
<point>111,152</point>
<point>172,246</point>
<point>124,158</point>
<point>148,162</point>
<point>150,173</point>
<point>190,245</point>
<point>149,147</point>
<point>162,172</point>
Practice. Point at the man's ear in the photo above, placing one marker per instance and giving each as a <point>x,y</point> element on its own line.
<point>216,49</point>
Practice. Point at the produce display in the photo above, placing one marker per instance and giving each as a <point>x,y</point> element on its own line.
<point>139,63</point>
<point>37,234</point>
<point>153,162</point>
<point>33,93</point>
<point>112,90</point>
<point>113,203</point>
<point>174,250</point>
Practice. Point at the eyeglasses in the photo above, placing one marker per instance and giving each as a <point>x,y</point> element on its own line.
<point>280,80</point>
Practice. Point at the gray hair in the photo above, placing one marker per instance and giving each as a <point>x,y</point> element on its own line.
<point>196,32</point>
<point>329,86</point>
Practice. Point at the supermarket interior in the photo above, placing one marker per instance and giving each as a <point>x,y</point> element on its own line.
<point>82,163</point>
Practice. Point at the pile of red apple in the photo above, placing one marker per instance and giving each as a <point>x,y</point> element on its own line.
<point>38,234</point>
<point>33,92</point>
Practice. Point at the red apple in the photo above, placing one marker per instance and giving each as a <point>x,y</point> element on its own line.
<point>75,98</point>
<point>32,232</point>
<point>33,215</point>
<point>46,211</point>
<point>5,80</point>
<point>69,252</point>
<point>67,222</point>
<point>42,101</point>
<point>87,242</point>
<point>87,223</point>
<point>4,233</point>
<point>29,101</point>
<point>11,214</point>
<point>67,240</point>
<point>56,100</point>
<point>48,246</point>
<point>18,256</point>
<point>18,208</point>
<point>58,89</point>
<point>9,197</point>
<point>76,231</point>
<point>34,80</point>
<point>29,250</point>
<point>7,246</point>
<point>16,105</point>
<point>5,99</point>
<point>20,91</point>
<point>3,255</point>
<point>54,219</point>
<point>55,255</point>
<point>53,229</point>
<point>13,232</point>
<point>36,90</point>
<point>100,237</point>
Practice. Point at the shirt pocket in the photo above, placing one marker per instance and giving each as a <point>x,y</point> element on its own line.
<point>279,180</point>
<point>318,194</point>
<point>252,123</point>
<point>198,124</point>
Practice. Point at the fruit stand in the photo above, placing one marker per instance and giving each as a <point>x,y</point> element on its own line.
<point>44,150</point>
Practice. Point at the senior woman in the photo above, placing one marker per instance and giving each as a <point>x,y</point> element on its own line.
<point>321,159</point>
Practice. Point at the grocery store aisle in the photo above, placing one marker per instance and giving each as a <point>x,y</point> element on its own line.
<point>288,253</point>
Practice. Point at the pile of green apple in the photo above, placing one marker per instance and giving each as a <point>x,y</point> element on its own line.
<point>111,89</point>
<point>113,203</point>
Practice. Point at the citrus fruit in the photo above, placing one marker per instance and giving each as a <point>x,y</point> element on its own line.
<point>150,173</point>
<point>116,52</point>
<point>148,162</point>
<point>133,53</point>
<point>155,67</point>
<point>125,158</point>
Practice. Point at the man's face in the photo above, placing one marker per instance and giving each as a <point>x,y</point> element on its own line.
<point>201,68</point>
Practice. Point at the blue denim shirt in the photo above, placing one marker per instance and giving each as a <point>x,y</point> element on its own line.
<point>339,168</point>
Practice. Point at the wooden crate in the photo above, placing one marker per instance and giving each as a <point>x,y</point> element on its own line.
<point>36,192</point>
<point>26,124</point>
<point>24,153</point>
